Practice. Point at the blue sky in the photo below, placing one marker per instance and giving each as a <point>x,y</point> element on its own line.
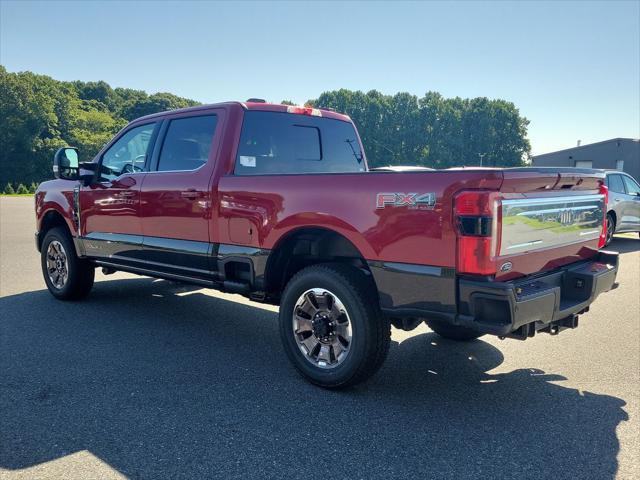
<point>572,68</point>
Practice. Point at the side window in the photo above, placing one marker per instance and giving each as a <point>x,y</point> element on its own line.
<point>281,143</point>
<point>615,183</point>
<point>632,187</point>
<point>187,143</point>
<point>128,154</point>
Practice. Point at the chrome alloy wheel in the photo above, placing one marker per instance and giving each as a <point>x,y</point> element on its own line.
<point>322,328</point>
<point>57,264</point>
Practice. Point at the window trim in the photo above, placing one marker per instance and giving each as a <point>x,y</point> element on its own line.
<point>116,139</point>
<point>162,136</point>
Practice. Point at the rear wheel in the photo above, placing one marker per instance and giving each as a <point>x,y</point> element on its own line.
<point>611,228</point>
<point>67,276</point>
<point>331,326</point>
<point>453,332</point>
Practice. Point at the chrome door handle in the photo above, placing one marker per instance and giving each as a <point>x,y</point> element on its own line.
<point>191,194</point>
<point>127,193</point>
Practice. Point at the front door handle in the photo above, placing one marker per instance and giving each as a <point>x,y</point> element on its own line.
<point>127,193</point>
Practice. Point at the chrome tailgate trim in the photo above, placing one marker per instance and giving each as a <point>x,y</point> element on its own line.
<point>538,223</point>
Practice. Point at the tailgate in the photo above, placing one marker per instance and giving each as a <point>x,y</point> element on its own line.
<point>550,217</point>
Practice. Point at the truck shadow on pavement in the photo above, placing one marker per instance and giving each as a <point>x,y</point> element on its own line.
<point>164,381</point>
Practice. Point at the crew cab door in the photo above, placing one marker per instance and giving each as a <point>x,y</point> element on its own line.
<point>176,195</point>
<point>110,206</point>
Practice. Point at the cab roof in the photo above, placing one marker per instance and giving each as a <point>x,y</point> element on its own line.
<point>258,106</point>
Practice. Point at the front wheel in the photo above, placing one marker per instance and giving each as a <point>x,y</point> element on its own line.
<point>331,326</point>
<point>67,276</point>
<point>453,332</point>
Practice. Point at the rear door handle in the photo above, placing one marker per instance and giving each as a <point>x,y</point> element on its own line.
<point>191,194</point>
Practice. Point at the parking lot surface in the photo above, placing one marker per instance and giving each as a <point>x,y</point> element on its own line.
<point>152,379</point>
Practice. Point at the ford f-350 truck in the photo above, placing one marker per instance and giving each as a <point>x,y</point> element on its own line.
<point>277,203</point>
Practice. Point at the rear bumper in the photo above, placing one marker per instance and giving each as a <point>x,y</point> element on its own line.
<point>549,301</point>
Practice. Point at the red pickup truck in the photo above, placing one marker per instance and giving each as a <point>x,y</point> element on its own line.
<point>277,203</point>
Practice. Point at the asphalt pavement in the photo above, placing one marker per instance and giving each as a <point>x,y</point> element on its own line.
<point>152,379</point>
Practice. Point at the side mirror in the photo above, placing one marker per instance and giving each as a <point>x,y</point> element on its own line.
<point>65,164</point>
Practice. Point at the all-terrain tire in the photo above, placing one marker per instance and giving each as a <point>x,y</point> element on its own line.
<point>370,330</point>
<point>79,272</point>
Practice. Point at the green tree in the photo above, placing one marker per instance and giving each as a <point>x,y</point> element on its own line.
<point>100,92</point>
<point>158,102</point>
<point>39,115</point>
<point>22,190</point>
<point>8,189</point>
<point>433,131</point>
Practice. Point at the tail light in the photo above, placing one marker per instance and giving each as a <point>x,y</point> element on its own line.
<point>604,190</point>
<point>314,112</point>
<point>476,219</point>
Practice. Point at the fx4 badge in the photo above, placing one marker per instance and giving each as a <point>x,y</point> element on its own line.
<point>423,201</point>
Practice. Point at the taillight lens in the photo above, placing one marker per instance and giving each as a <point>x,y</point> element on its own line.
<point>604,190</point>
<point>476,218</point>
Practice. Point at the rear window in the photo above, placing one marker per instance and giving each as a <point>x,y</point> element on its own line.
<point>278,143</point>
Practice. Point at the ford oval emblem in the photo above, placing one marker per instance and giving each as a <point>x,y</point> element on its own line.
<point>506,266</point>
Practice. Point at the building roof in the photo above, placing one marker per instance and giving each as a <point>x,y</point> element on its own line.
<point>619,139</point>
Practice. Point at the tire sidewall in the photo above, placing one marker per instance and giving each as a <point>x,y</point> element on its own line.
<point>358,317</point>
<point>611,226</point>
<point>72,261</point>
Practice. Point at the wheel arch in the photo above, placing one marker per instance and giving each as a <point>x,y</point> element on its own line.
<point>305,246</point>
<point>52,218</point>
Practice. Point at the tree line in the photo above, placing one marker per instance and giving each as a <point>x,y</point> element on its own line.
<point>433,131</point>
<point>39,115</point>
